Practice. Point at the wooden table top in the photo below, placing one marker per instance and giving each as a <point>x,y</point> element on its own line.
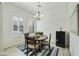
<point>44,37</point>
<point>38,37</point>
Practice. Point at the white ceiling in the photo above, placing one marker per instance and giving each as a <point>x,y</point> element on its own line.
<point>46,6</point>
<point>55,14</point>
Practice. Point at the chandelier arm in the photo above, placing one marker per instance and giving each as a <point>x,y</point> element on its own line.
<point>38,13</point>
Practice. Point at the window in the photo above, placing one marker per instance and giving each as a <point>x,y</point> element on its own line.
<point>15,23</point>
<point>18,24</point>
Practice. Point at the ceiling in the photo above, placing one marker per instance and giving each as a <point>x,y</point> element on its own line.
<point>55,14</point>
<point>46,6</point>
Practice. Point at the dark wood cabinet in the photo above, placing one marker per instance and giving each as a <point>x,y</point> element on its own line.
<point>60,38</point>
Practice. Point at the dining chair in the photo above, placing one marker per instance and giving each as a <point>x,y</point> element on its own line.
<point>31,44</point>
<point>25,34</point>
<point>47,42</point>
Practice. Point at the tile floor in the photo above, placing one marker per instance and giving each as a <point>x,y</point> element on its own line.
<point>63,52</point>
<point>14,51</point>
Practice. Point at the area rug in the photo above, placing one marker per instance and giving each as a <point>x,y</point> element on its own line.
<point>45,51</point>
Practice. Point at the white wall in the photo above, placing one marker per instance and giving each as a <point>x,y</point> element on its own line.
<point>0,27</point>
<point>74,44</point>
<point>9,10</point>
<point>73,29</point>
<point>72,17</point>
<point>53,19</point>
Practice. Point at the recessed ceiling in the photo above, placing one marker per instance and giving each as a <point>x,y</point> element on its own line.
<point>46,6</point>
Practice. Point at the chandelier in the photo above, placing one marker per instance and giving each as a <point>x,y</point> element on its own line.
<point>38,14</point>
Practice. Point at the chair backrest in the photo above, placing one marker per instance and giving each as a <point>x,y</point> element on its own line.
<point>30,40</point>
<point>26,33</point>
<point>49,38</point>
<point>40,33</point>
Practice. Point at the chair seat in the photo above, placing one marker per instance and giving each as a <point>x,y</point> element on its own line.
<point>32,46</point>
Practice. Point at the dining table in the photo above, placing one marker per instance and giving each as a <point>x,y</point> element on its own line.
<point>39,38</point>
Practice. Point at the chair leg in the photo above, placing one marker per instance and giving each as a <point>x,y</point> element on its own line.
<point>27,50</point>
<point>35,51</point>
<point>49,47</point>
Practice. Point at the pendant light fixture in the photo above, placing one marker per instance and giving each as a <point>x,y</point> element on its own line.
<point>38,14</point>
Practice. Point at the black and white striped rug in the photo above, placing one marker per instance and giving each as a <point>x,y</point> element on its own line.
<point>45,52</point>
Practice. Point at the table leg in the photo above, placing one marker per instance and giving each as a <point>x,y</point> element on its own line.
<point>40,46</point>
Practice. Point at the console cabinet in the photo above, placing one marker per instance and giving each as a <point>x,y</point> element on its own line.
<point>60,38</point>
